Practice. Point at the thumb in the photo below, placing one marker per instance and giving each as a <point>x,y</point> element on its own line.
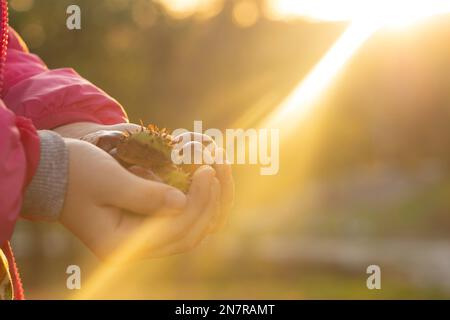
<point>145,196</point>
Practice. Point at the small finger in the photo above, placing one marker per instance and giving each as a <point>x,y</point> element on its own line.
<point>104,139</point>
<point>198,197</point>
<point>171,229</point>
<point>199,229</point>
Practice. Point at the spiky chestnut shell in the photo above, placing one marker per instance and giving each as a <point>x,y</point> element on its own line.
<point>151,148</point>
<point>176,177</point>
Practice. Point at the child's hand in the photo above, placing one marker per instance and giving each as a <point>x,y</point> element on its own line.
<point>91,132</point>
<point>79,130</point>
<point>100,191</point>
<point>181,233</point>
<point>189,141</point>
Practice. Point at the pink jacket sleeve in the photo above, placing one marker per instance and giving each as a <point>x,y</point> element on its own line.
<point>36,97</point>
<point>19,157</point>
<point>51,98</point>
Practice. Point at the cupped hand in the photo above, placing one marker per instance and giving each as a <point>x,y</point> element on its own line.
<point>100,193</point>
<point>165,234</point>
<point>107,136</point>
<point>196,142</point>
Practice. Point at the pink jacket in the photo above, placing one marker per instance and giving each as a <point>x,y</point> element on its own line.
<point>33,98</point>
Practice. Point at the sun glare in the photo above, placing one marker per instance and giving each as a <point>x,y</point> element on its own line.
<point>366,17</point>
<point>184,8</point>
<point>386,12</point>
<point>327,10</point>
<point>305,94</point>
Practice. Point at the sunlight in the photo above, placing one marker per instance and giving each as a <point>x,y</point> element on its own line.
<point>245,13</point>
<point>366,18</point>
<point>130,250</point>
<point>180,9</point>
<point>385,12</point>
<point>302,97</point>
<point>326,10</point>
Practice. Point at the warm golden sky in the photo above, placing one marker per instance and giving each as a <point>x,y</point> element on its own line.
<point>328,10</point>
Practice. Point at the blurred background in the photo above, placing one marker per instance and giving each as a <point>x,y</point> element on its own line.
<point>364,159</point>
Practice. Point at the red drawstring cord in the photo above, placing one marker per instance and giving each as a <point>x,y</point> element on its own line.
<point>18,291</point>
<point>3,42</point>
<point>15,277</point>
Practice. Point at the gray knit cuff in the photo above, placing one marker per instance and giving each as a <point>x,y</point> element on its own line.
<point>44,197</point>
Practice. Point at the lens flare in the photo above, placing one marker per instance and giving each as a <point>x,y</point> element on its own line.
<point>384,11</point>
<point>366,18</point>
<point>300,102</point>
